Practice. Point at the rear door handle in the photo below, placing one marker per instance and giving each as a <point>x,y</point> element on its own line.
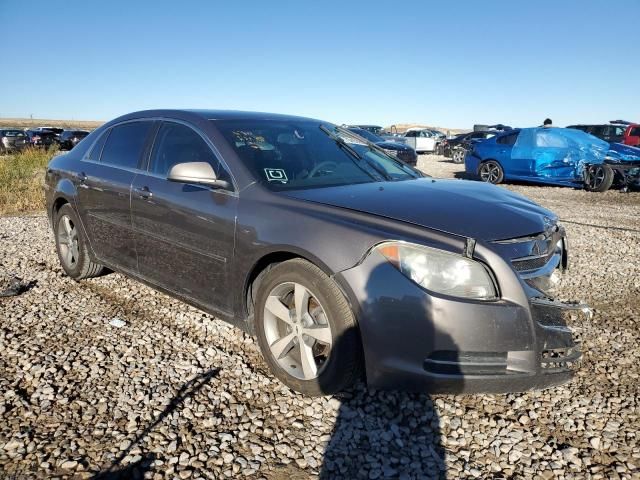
<point>143,192</point>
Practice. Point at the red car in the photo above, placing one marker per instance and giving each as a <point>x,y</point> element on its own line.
<point>632,135</point>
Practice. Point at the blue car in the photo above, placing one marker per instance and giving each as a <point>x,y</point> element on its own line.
<point>555,156</point>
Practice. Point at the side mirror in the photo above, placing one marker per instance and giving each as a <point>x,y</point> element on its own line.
<point>195,172</point>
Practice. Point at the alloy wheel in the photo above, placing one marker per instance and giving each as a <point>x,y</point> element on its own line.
<point>490,172</point>
<point>595,177</point>
<point>68,240</point>
<point>297,330</point>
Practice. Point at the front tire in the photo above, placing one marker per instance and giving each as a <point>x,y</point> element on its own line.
<point>72,247</point>
<point>306,330</point>
<point>599,178</point>
<point>491,172</point>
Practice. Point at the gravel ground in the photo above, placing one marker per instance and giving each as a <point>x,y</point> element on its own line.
<point>108,378</point>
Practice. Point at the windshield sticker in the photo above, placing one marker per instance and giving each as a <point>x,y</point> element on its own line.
<point>276,175</point>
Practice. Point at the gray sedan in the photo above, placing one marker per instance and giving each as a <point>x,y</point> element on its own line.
<point>12,139</point>
<point>344,262</point>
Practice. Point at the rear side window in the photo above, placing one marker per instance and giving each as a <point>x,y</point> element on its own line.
<point>177,143</point>
<point>97,147</point>
<point>508,139</point>
<point>125,144</point>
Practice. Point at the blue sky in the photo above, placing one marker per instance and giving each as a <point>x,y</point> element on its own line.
<point>439,63</point>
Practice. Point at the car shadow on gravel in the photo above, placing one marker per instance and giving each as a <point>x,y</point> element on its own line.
<point>138,468</point>
<point>391,433</point>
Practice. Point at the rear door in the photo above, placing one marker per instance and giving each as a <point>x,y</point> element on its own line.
<point>513,162</point>
<point>184,232</point>
<point>104,191</point>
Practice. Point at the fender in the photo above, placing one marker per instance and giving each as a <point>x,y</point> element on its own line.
<point>65,189</point>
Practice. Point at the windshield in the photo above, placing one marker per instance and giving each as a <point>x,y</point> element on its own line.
<point>366,134</point>
<point>300,154</point>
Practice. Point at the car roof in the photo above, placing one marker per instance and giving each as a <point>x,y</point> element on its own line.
<point>210,115</point>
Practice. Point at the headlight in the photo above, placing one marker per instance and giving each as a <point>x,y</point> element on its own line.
<point>440,271</point>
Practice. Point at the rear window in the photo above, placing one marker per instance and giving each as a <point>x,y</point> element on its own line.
<point>125,144</point>
<point>13,133</point>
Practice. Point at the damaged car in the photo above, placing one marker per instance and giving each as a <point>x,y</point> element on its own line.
<point>554,156</point>
<point>343,262</point>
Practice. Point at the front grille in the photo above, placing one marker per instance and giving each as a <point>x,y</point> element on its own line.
<point>529,264</point>
<point>449,362</point>
<point>560,358</point>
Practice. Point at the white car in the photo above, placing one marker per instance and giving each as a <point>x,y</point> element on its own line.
<point>422,140</point>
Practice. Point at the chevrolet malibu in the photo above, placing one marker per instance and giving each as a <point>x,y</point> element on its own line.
<point>342,261</point>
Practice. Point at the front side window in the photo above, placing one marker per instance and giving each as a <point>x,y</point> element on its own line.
<point>550,139</point>
<point>635,132</point>
<point>289,155</point>
<point>177,143</point>
<point>125,144</point>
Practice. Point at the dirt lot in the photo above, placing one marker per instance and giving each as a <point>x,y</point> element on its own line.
<point>172,392</point>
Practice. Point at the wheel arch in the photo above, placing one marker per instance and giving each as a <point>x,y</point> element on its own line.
<point>266,262</point>
<point>487,160</point>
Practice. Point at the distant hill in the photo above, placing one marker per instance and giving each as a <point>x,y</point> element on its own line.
<point>39,122</point>
<point>91,124</point>
<point>403,127</point>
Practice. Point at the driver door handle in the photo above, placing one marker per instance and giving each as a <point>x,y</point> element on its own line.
<point>143,192</point>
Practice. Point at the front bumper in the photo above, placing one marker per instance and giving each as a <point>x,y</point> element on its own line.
<point>414,340</point>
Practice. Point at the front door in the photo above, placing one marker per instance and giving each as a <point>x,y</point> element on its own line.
<point>184,232</point>
<point>104,188</point>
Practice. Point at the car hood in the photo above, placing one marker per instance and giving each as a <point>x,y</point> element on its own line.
<point>623,153</point>
<point>471,209</point>
<point>393,145</point>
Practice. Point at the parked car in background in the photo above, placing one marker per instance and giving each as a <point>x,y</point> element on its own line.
<point>70,138</point>
<point>375,129</point>
<point>338,258</point>
<point>556,156</point>
<point>396,149</point>
<point>621,132</point>
<point>422,140</point>
<point>56,130</point>
<point>456,147</point>
<point>41,138</point>
<point>12,139</point>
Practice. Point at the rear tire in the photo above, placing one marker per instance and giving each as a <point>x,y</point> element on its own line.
<point>599,178</point>
<point>491,172</point>
<point>458,155</point>
<point>306,330</point>
<point>72,246</point>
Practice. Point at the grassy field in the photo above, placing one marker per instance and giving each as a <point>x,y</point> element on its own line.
<point>38,122</point>
<point>21,180</point>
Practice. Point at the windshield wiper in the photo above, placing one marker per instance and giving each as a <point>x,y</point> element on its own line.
<point>372,146</point>
<point>341,143</point>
